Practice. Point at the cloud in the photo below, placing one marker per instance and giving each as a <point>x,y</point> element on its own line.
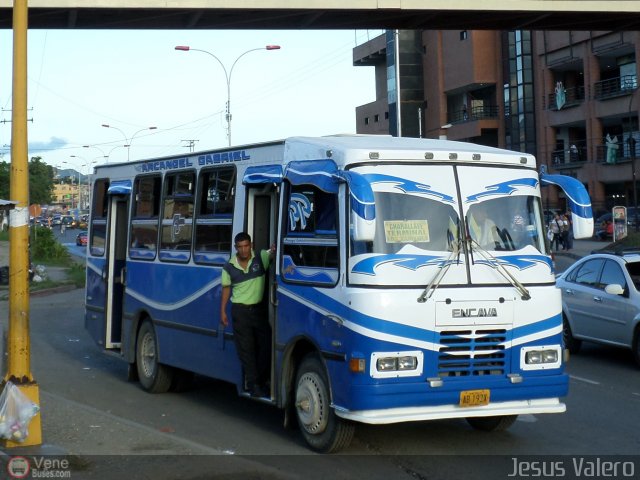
<point>54,143</point>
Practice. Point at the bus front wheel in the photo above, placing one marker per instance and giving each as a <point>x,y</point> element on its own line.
<point>154,377</point>
<point>492,424</point>
<point>322,429</point>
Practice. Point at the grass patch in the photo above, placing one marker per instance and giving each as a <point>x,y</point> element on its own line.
<point>4,235</point>
<point>77,274</point>
<point>45,248</point>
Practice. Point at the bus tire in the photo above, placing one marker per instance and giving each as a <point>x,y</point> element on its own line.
<point>570,342</point>
<point>492,424</point>
<point>154,377</point>
<point>321,428</point>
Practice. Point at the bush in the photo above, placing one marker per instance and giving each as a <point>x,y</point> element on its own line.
<point>45,247</point>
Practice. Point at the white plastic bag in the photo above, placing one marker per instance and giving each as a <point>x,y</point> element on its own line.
<point>16,412</point>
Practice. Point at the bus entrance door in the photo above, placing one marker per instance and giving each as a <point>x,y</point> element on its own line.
<point>116,272</point>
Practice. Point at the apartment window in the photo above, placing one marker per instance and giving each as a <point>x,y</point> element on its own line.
<point>376,118</point>
<point>386,115</point>
<point>464,35</point>
<point>366,120</point>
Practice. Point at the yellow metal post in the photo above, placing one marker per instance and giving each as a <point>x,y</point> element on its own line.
<point>18,344</point>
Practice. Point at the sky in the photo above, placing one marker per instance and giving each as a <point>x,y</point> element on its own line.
<point>79,80</point>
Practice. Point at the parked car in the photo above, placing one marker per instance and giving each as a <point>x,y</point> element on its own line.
<point>57,220</point>
<point>81,238</point>
<point>601,301</point>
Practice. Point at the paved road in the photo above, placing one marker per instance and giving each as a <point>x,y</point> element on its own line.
<point>88,409</point>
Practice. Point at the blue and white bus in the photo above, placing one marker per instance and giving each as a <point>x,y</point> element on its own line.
<point>385,305</point>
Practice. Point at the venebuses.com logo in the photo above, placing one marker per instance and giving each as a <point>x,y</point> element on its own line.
<point>38,467</point>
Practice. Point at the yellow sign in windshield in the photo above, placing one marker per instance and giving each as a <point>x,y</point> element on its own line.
<point>406,231</point>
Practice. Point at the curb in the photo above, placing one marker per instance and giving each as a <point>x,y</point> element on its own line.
<point>52,290</point>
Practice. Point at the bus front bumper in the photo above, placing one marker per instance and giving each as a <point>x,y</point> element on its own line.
<point>436,412</point>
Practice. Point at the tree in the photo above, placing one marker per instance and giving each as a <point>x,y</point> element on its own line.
<point>4,180</point>
<point>40,181</point>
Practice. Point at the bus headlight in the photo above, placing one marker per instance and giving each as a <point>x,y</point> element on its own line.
<point>407,363</point>
<point>396,364</point>
<point>387,363</point>
<point>540,357</point>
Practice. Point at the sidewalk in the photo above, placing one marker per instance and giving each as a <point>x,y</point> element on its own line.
<point>582,248</point>
<point>55,274</point>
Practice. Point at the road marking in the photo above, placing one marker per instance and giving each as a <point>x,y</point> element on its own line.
<point>636,394</point>
<point>585,380</point>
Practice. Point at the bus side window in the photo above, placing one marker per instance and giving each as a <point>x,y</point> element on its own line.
<point>145,217</point>
<point>310,252</point>
<point>177,213</point>
<point>214,215</point>
<point>99,211</point>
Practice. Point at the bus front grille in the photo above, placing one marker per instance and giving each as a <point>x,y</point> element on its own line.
<point>465,353</point>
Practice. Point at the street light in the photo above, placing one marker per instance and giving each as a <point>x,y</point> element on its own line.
<point>72,178</point>
<point>87,164</point>
<point>186,48</point>
<point>128,140</point>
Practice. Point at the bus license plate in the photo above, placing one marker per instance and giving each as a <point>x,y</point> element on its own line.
<point>474,398</point>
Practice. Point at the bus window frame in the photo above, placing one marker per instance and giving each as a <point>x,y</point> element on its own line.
<point>139,253</point>
<point>175,255</point>
<point>219,257</point>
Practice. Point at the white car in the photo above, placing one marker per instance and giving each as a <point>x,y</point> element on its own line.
<point>601,301</point>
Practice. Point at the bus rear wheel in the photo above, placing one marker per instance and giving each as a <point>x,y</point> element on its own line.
<point>492,424</point>
<point>321,428</point>
<point>154,377</point>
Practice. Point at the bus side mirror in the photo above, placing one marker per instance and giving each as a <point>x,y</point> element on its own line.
<point>363,206</point>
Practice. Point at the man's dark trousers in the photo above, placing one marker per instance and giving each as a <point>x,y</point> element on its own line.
<point>252,336</point>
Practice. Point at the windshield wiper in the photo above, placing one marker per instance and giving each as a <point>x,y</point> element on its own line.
<point>495,263</point>
<point>437,278</point>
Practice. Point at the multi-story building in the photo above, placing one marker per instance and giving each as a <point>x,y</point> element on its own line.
<point>567,97</point>
<point>587,113</point>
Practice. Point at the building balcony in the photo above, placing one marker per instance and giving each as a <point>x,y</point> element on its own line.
<point>574,96</point>
<point>615,87</point>
<point>574,157</point>
<point>487,112</point>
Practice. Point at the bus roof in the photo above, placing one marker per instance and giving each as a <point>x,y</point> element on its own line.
<point>348,149</point>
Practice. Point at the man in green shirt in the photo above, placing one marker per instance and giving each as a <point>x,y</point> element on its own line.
<point>243,278</point>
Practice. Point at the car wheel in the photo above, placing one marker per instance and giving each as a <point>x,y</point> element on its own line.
<point>572,344</point>
<point>492,424</point>
<point>154,377</point>
<point>636,345</point>
<point>322,429</point>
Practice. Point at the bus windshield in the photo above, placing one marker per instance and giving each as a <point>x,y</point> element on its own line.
<point>506,224</point>
<point>403,220</point>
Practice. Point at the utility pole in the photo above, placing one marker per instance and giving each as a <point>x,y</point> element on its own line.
<point>190,144</point>
<point>18,342</point>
